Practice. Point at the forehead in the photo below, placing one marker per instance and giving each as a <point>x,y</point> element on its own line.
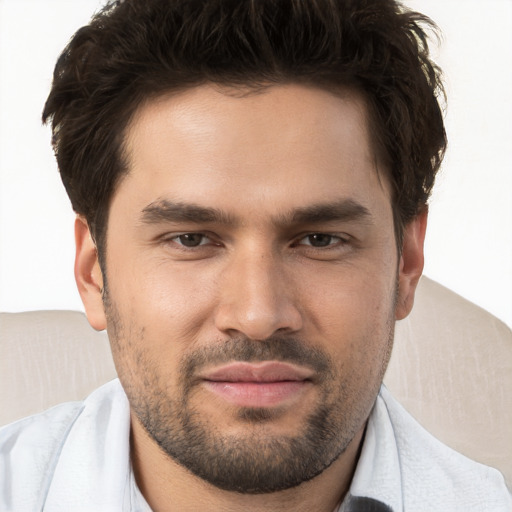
<point>280,148</point>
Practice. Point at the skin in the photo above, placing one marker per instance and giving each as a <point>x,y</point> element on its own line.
<point>267,162</point>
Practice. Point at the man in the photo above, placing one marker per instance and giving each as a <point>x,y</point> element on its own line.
<point>251,182</point>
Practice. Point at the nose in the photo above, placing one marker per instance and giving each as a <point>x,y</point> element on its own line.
<point>257,298</point>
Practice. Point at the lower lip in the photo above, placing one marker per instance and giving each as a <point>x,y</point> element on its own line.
<point>257,394</point>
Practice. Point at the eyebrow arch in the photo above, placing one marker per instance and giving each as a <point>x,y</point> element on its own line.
<point>168,211</point>
<point>339,211</point>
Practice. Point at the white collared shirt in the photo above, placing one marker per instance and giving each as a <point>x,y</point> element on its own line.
<point>76,457</point>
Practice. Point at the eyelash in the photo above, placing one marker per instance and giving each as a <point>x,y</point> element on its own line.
<point>192,234</point>
<point>339,240</point>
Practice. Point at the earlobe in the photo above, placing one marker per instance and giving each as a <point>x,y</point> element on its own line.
<point>411,263</point>
<point>88,276</point>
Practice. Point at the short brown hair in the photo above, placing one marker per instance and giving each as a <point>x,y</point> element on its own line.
<point>133,50</point>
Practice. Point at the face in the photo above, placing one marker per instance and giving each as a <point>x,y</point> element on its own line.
<point>251,281</point>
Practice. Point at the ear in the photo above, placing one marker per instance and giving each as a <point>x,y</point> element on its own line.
<point>411,263</point>
<point>88,276</point>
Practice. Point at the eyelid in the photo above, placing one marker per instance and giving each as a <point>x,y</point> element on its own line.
<point>174,238</point>
<point>210,239</point>
<point>340,238</point>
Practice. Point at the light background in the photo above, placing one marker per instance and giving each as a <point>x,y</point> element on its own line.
<point>469,241</point>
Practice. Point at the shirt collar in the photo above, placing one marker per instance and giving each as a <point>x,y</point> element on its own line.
<point>92,464</point>
<point>377,483</point>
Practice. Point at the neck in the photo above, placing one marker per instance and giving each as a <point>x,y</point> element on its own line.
<point>169,487</point>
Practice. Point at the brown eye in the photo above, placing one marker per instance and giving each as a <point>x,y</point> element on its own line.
<point>191,239</point>
<point>320,240</point>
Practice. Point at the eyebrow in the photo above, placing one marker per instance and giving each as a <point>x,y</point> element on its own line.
<point>169,211</point>
<point>339,211</point>
<point>344,210</point>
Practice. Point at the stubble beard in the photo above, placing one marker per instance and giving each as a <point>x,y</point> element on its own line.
<point>257,462</point>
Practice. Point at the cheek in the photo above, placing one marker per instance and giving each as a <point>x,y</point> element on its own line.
<point>354,312</point>
<point>171,303</point>
<point>358,291</point>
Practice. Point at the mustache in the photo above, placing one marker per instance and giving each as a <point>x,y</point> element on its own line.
<point>275,348</point>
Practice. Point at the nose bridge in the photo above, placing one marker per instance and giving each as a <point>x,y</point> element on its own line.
<point>257,300</point>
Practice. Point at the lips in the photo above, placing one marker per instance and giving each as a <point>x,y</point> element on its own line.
<point>265,384</point>
<point>267,371</point>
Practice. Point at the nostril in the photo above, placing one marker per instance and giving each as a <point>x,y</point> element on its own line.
<point>258,323</point>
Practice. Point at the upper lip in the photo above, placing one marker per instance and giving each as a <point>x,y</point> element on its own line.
<point>266,371</point>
